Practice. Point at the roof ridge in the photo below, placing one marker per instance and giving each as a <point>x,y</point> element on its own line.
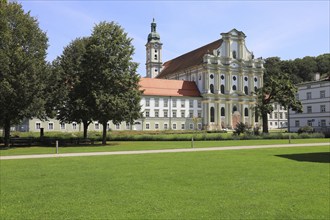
<point>193,50</point>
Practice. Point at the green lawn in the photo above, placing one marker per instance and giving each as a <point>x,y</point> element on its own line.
<point>151,145</point>
<point>283,183</point>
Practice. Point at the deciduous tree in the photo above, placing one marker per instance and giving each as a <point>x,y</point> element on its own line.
<point>278,89</point>
<point>76,104</point>
<point>112,75</point>
<point>23,67</point>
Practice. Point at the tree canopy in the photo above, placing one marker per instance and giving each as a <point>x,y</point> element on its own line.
<point>112,75</point>
<point>23,67</point>
<point>75,104</point>
<point>99,78</point>
<point>300,69</point>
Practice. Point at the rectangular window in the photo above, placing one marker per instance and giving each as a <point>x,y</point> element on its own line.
<point>117,126</point>
<point>285,115</point>
<point>156,126</point>
<point>297,123</point>
<point>199,104</point>
<point>74,125</point>
<point>182,114</point>
<point>271,123</point>
<point>309,95</point>
<point>275,115</point>
<point>323,123</point>
<point>310,123</point>
<point>183,103</point>
<point>165,114</point>
<point>322,94</point>
<point>128,126</point>
<point>147,102</point>
<point>38,125</point>
<point>200,126</point>
<point>191,114</point>
<point>182,126</point>
<point>165,126</point>
<point>322,107</point>
<point>199,114</point>
<point>165,102</point>
<point>156,102</point>
<point>97,126</point>
<point>174,103</point>
<point>191,126</point>
<point>309,109</point>
<point>50,126</point>
<point>108,126</point>
<point>191,103</point>
<point>281,115</point>
<point>147,126</point>
<point>271,116</point>
<point>174,114</point>
<point>62,125</point>
<point>156,114</point>
<point>147,114</point>
<point>174,126</point>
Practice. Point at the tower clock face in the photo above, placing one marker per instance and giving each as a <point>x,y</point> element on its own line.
<point>156,46</point>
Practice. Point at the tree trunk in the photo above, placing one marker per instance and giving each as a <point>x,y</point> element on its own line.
<point>86,124</point>
<point>104,135</point>
<point>265,123</point>
<point>7,132</point>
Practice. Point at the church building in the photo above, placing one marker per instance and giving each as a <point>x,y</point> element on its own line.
<point>225,73</point>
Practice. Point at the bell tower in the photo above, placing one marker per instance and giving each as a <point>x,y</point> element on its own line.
<point>153,53</point>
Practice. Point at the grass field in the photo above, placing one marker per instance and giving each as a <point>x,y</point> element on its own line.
<point>284,183</point>
<point>151,145</point>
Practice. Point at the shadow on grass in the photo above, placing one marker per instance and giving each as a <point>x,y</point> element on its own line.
<point>322,157</point>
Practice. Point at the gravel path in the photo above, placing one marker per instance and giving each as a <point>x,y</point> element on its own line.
<point>157,151</point>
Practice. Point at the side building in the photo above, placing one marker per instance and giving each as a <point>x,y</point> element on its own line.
<point>278,119</point>
<point>315,99</point>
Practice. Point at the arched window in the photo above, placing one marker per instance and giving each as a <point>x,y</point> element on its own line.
<point>155,56</point>
<point>256,116</point>
<point>212,88</point>
<point>234,109</point>
<point>222,111</point>
<point>212,114</point>
<point>234,54</point>
<point>222,88</point>
<point>255,89</point>
<point>246,91</point>
<point>246,112</point>
<point>234,87</point>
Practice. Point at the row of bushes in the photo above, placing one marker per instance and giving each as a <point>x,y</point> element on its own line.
<point>200,136</point>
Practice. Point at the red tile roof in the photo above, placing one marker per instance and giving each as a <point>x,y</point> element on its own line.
<point>192,58</point>
<point>164,87</point>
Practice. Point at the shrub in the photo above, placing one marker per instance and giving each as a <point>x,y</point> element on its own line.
<point>241,128</point>
<point>306,129</point>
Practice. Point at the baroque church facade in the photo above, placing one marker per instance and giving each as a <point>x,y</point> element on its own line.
<point>209,88</point>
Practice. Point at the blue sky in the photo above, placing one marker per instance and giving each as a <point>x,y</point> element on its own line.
<point>287,29</point>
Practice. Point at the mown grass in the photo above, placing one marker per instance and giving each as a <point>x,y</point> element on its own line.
<point>245,184</point>
<point>150,145</point>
